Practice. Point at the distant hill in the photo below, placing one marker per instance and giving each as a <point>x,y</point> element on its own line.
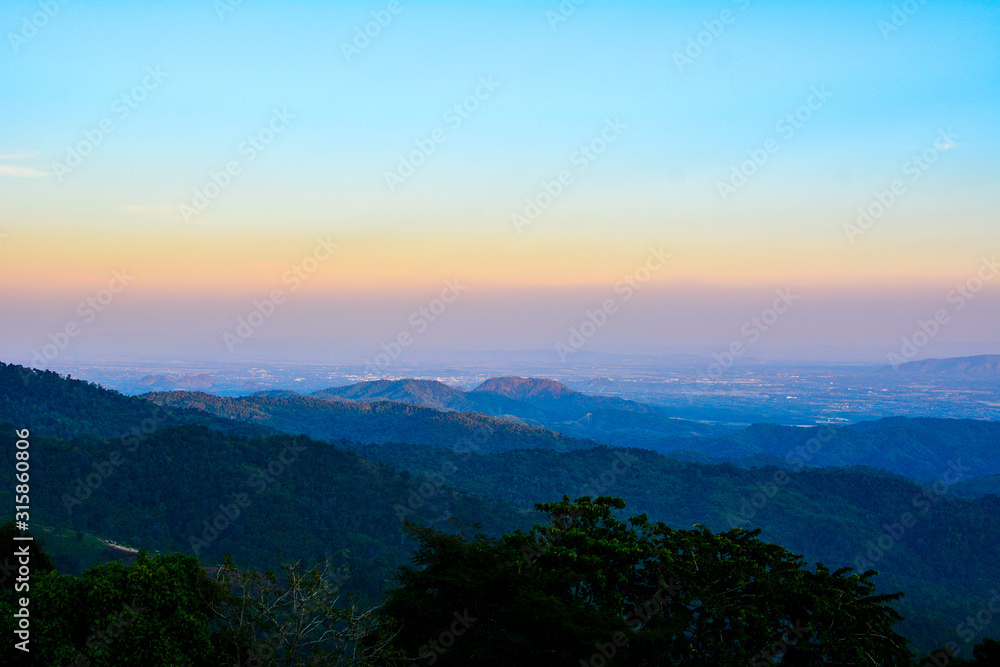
<point>922,448</point>
<point>540,402</point>
<point>983,365</point>
<point>379,421</point>
<point>162,382</point>
<point>429,393</point>
<point>432,394</point>
<point>558,399</point>
<point>526,388</point>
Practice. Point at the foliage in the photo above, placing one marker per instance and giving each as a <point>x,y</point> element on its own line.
<point>195,490</point>
<point>590,587</point>
<point>158,611</point>
<point>944,562</point>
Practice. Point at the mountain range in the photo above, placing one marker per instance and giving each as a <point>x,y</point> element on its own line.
<point>530,413</point>
<point>210,476</point>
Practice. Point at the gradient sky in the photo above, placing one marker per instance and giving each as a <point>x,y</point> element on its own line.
<point>226,66</point>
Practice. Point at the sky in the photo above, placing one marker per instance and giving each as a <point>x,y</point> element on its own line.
<point>328,177</point>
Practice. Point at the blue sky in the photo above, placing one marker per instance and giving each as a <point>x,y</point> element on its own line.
<point>557,84</point>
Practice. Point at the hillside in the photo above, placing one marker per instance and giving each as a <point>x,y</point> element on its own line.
<point>921,448</point>
<point>946,560</point>
<point>542,403</point>
<point>49,404</point>
<point>379,421</point>
<point>979,486</point>
<point>432,394</point>
<point>556,398</point>
<point>191,489</point>
<point>983,366</point>
<point>306,497</point>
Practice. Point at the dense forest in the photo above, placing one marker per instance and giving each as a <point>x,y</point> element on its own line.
<point>921,448</point>
<point>381,421</point>
<point>583,587</point>
<point>178,480</point>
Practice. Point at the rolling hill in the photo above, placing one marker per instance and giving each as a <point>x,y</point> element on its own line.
<point>210,490</point>
<point>542,403</point>
<point>377,421</point>
<point>921,448</point>
<point>983,366</point>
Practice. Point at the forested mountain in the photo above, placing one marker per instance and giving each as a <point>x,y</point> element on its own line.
<point>922,448</point>
<point>944,552</point>
<point>195,490</point>
<point>428,393</point>
<point>207,488</point>
<point>48,403</point>
<point>532,398</point>
<point>983,366</point>
<point>379,421</point>
<point>979,486</point>
<point>545,403</point>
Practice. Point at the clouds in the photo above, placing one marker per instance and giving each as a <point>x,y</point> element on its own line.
<point>17,171</point>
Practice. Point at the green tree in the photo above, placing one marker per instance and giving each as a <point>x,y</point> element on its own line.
<point>588,589</point>
<point>156,611</point>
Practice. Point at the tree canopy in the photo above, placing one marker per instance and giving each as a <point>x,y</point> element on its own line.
<point>589,588</point>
